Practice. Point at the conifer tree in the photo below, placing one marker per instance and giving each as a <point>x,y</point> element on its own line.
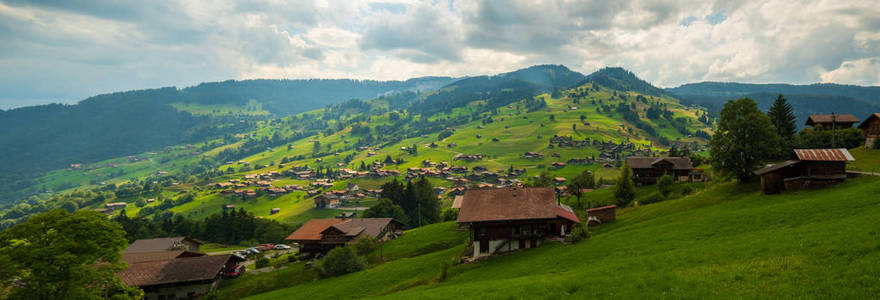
<point>782,116</point>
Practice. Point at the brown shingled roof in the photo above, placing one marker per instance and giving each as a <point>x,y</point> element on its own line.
<point>843,118</point>
<point>136,257</point>
<point>173,271</point>
<point>311,230</point>
<point>366,226</point>
<point>642,162</point>
<point>508,204</point>
<point>872,116</point>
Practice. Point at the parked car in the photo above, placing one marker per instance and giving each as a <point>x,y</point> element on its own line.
<point>264,247</point>
<point>252,250</point>
<point>235,271</point>
<point>282,247</point>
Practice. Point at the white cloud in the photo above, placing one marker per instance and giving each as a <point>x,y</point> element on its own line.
<point>68,51</point>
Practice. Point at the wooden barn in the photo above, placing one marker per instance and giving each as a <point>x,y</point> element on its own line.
<point>601,215</point>
<point>832,121</point>
<point>809,168</point>
<point>871,129</point>
<point>647,170</point>
<point>321,235</point>
<point>503,220</point>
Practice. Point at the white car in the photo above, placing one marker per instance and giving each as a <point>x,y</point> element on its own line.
<point>282,247</point>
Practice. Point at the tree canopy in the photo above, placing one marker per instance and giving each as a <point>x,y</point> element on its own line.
<point>745,139</point>
<point>61,255</point>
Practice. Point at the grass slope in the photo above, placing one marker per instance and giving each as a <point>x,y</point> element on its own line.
<point>727,241</point>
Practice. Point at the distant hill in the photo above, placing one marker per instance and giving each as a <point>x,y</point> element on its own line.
<point>805,99</point>
<point>620,79</point>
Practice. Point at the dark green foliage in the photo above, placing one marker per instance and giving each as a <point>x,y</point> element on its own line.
<point>584,180</point>
<point>664,185</point>
<point>386,209</point>
<point>809,138</point>
<point>542,180</point>
<point>416,198</point>
<point>624,191</point>
<point>229,227</point>
<point>578,232</point>
<point>262,262</point>
<point>340,261</point>
<point>56,255</point>
<point>365,245</point>
<point>744,141</point>
<point>450,214</point>
<point>782,116</point>
<point>620,79</point>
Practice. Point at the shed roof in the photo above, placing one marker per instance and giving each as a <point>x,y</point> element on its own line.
<point>136,257</point>
<point>642,162</point>
<point>840,154</point>
<point>365,226</point>
<point>178,270</point>
<point>457,202</point>
<point>842,118</point>
<point>511,204</point>
<point>773,167</point>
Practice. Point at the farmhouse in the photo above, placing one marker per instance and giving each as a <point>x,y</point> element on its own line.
<point>832,121</point>
<point>871,129</point>
<point>647,170</point>
<point>173,268</point>
<point>809,168</point>
<point>321,235</point>
<point>504,220</point>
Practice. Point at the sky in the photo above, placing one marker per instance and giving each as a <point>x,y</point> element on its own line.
<point>67,50</point>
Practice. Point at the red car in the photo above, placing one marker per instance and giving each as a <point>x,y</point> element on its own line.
<point>264,247</point>
<point>235,271</point>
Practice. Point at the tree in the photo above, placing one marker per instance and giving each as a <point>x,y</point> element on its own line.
<point>664,184</point>
<point>782,116</point>
<point>624,192</point>
<point>745,139</point>
<point>365,245</point>
<point>543,180</point>
<point>339,261</point>
<point>450,214</point>
<point>576,186</point>
<point>386,209</point>
<point>61,255</point>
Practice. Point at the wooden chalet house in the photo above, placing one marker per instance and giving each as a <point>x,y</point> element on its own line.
<point>509,219</point>
<point>809,168</point>
<point>173,268</point>
<point>871,130</point>
<point>832,121</point>
<point>321,235</point>
<point>648,170</point>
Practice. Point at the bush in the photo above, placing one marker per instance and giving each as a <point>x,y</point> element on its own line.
<point>664,185</point>
<point>450,214</point>
<point>365,245</point>
<point>687,190</point>
<point>340,261</point>
<point>262,262</point>
<point>578,233</point>
<point>653,198</point>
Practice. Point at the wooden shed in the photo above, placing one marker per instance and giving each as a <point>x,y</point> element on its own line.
<point>810,168</point>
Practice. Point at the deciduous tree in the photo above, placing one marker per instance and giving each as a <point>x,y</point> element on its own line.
<point>745,139</point>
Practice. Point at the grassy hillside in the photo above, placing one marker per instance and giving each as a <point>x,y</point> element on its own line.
<point>727,241</point>
<point>867,160</point>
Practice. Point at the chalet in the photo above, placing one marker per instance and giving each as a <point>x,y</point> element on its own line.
<point>601,215</point>
<point>832,121</point>
<point>808,168</point>
<point>559,180</point>
<point>504,220</point>
<point>647,170</point>
<point>321,235</point>
<point>558,164</point>
<point>871,130</point>
<point>274,210</point>
<point>179,277</point>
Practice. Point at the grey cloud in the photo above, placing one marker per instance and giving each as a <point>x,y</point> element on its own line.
<point>423,31</point>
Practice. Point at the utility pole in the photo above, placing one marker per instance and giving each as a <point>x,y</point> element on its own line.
<point>833,132</point>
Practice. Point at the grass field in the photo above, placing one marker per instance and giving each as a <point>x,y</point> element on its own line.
<point>867,160</point>
<point>727,241</point>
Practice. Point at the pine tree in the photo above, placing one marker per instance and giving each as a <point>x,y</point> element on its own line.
<point>782,116</point>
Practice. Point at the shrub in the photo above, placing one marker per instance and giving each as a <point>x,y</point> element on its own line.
<point>365,245</point>
<point>578,233</point>
<point>687,190</point>
<point>339,261</point>
<point>450,215</point>
<point>653,198</point>
<point>262,262</point>
<point>664,185</point>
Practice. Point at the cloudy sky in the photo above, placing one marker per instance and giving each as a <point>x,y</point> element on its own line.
<point>66,50</point>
